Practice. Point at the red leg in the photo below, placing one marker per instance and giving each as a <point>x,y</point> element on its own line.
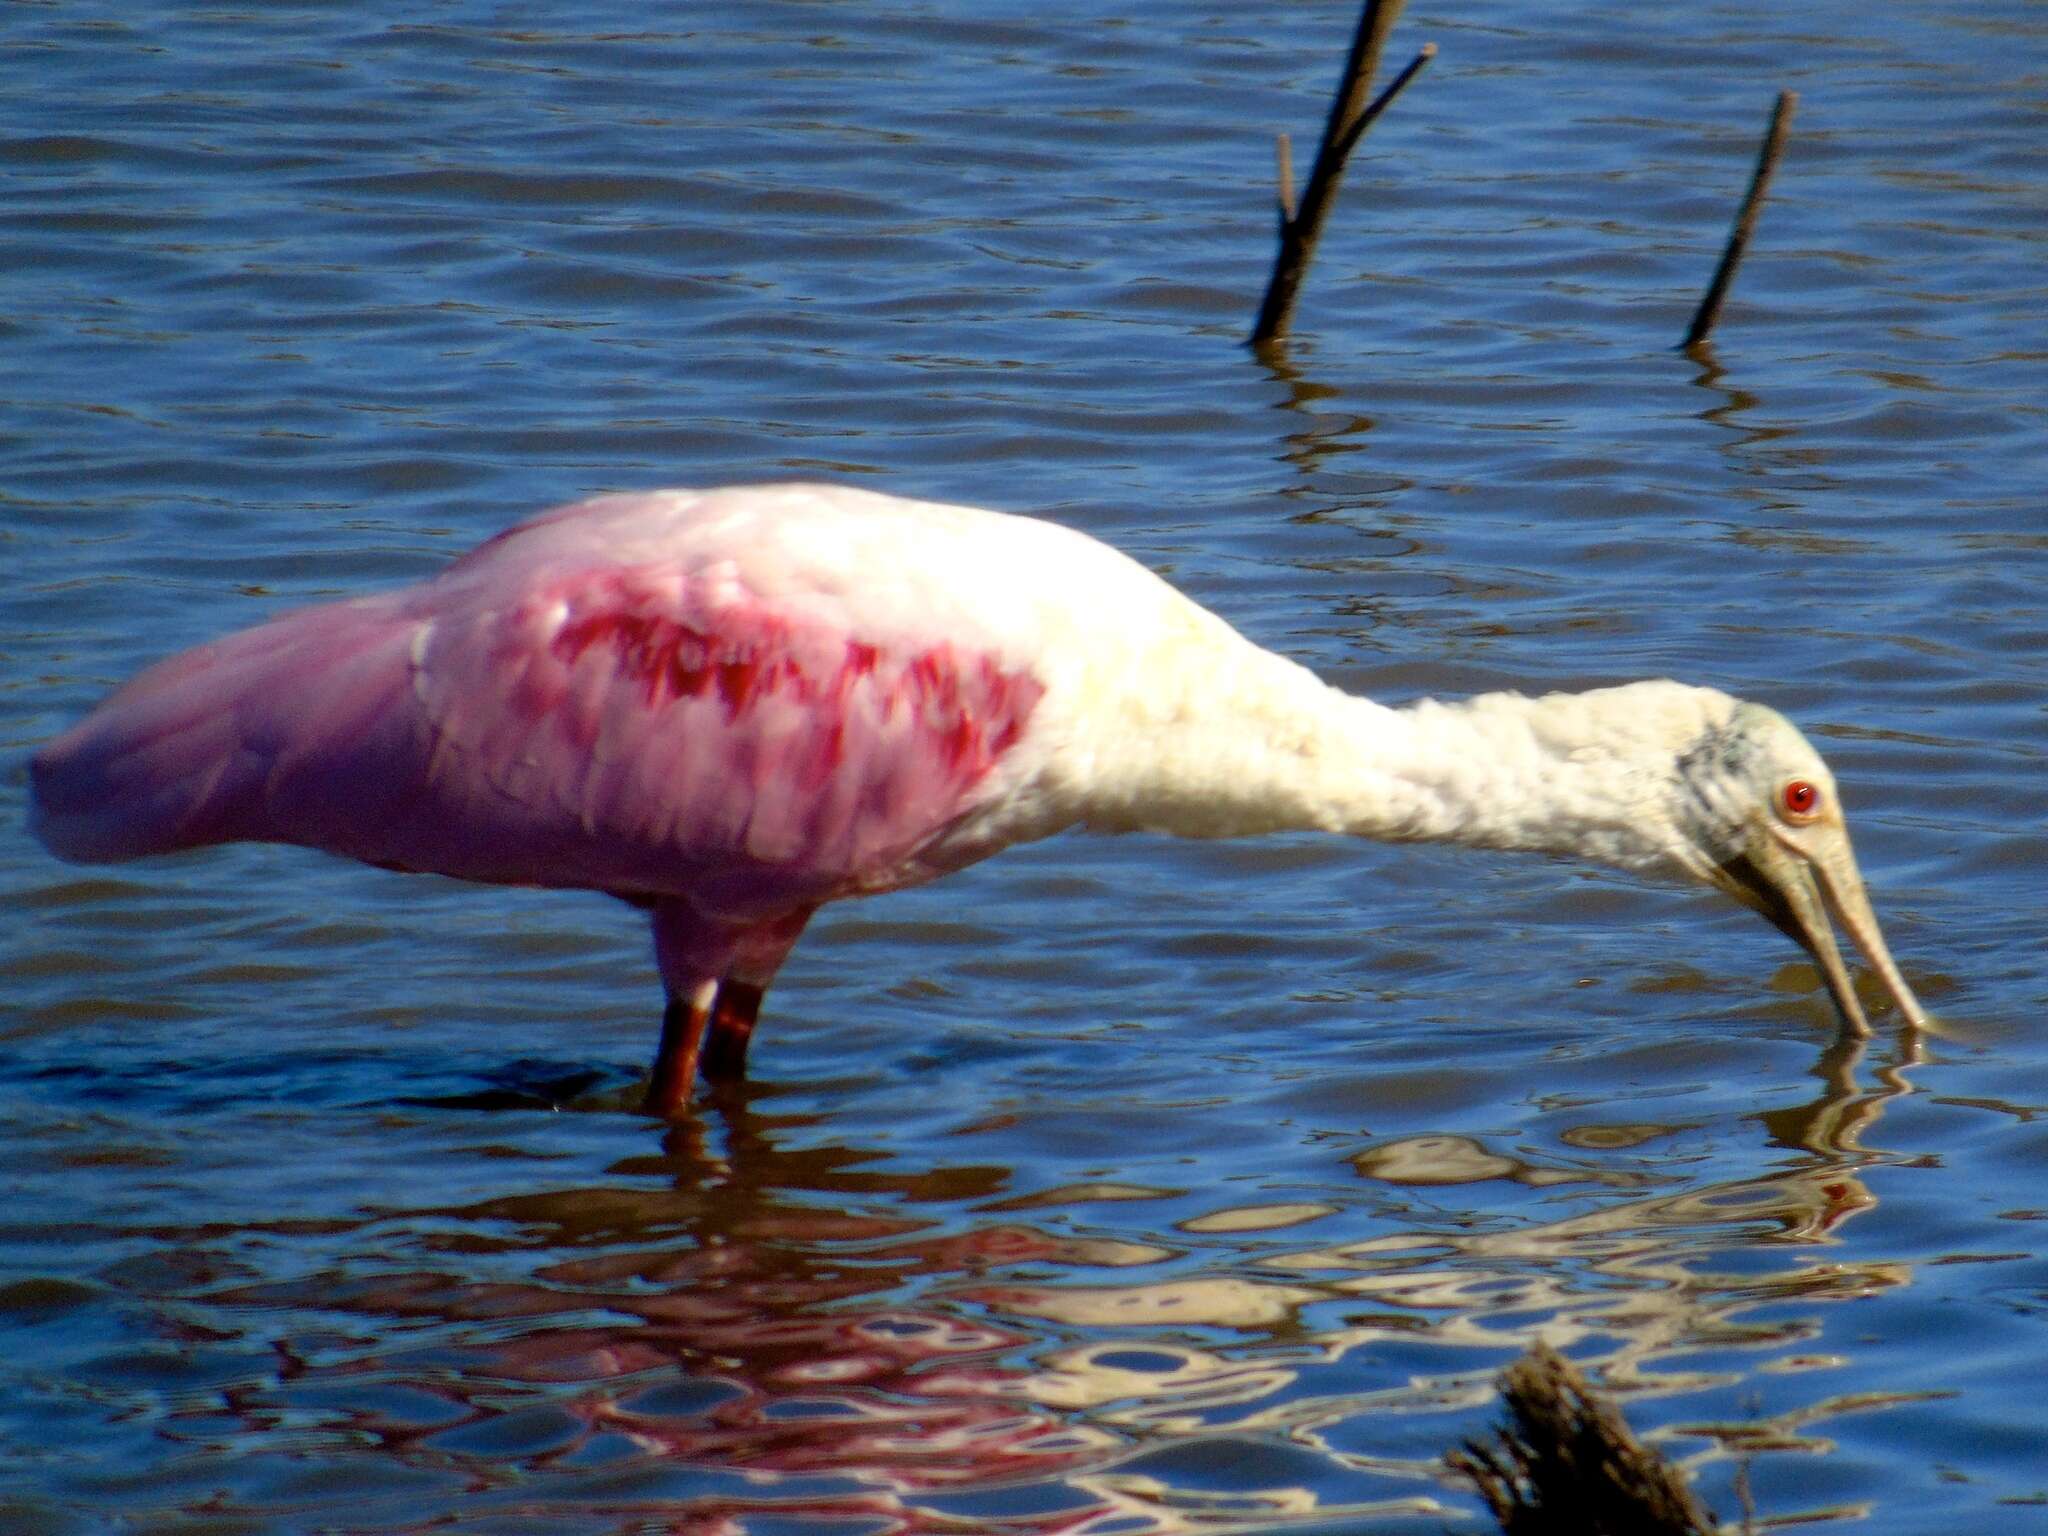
<point>732,1026</point>
<point>715,972</point>
<point>757,956</point>
<point>675,1062</point>
<point>692,954</point>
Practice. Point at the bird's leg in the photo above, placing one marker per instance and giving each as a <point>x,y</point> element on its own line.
<point>732,1026</point>
<point>715,971</point>
<point>675,1062</point>
<point>757,954</point>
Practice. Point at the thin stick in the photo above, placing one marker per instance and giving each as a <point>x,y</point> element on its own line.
<point>1349,118</point>
<point>1283,146</point>
<point>1745,220</point>
<point>1299,232</point>
<point>1380,103</point>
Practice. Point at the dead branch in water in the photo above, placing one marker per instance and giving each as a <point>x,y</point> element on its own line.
<point>1349,118</point>
<point>1566,1463</point>
<point>1745,220</point>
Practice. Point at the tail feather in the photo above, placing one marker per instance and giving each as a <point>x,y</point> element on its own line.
<point>193,751</point>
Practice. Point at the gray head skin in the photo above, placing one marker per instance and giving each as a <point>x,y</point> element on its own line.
<point>1762,822</point>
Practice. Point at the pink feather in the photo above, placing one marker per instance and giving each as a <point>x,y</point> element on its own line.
<point>598,698</point>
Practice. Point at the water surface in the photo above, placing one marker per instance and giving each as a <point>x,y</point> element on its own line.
<point>1113,1186</point>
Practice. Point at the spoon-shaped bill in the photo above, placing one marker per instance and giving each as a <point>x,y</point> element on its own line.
<point>1799,880</point>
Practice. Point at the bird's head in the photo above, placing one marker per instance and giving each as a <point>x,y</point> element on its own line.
<point>1758,818</point>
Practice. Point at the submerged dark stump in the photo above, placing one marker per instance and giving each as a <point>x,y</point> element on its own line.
<point>1566,1464</point>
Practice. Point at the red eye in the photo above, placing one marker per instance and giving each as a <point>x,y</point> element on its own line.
<point>1801,800</point>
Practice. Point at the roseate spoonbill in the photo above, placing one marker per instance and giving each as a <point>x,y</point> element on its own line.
<point>729,707</point>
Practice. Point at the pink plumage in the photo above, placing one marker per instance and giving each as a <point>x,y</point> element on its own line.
<point>697,703</point>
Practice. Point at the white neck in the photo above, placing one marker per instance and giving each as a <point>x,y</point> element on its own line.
<point>1272,748</point>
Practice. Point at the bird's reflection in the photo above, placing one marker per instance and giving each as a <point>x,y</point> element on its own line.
<point>1833,1124</point>
<point>766,1319</point>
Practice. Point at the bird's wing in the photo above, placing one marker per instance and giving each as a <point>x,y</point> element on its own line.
<point>663,728</point>
<point>651,729</point>
<point>790,690</point>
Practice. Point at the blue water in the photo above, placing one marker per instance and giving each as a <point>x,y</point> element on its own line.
<point>1112,1186</point>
